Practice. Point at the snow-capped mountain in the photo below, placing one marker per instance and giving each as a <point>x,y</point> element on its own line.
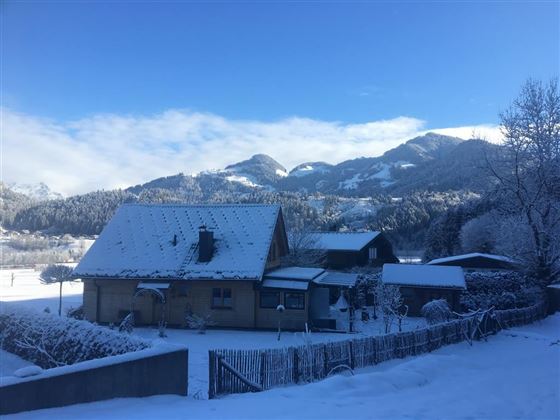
<point>39,191</point>
<point>310,168</point>
<point>368,175</point>
<point>258,171</point>
<point>432,161</point>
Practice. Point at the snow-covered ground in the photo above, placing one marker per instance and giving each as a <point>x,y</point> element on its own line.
<point>513,375</point>
<point>9,363</point>
<point>28,291</point>
<point>199,344</point>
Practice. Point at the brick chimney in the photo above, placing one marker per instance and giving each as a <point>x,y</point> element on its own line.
<point>205,244</point>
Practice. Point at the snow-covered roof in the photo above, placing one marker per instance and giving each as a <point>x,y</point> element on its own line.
<point>300,277</point>
<point>343,241</point>
<point>285,284</point>
<point>423,275</point>
<point>295,273</point>
<point>333,278</point>
<point>472,255</point>
<point>161,241</point>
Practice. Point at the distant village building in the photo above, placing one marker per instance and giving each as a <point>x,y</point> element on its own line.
<point>216,261</point>
<point>477,262</point>
<point>420,284</point>
<point>350,249</point>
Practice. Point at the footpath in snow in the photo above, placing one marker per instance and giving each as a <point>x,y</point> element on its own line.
<point>513,375</point>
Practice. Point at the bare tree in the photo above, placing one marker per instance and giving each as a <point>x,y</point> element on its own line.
<point>54,274</point>
<point>305,249</point>
<point>390,303</point>
<point>527,171</point>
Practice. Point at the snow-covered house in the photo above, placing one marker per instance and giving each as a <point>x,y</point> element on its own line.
<point>477,261</point>
<point>420,284</point>
<point>350,249</point>
<point>219,261</point>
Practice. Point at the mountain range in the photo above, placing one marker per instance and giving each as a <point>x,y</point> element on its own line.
<point>400,192</point>
<point>432,162</point>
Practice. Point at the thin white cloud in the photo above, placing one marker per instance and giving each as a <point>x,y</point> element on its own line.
<point>486,132</point>
<point>111,151</point>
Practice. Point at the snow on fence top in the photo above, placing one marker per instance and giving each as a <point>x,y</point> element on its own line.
<point>343,241</point>
<point>470,256</point>
<point>423,275</point>
<point>161,241</point>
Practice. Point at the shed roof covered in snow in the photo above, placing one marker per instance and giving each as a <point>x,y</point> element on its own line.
<point>301,277</point>
<point>476,259</point>
<point>335,278</point>
<point>162,241</point>
<point>295,273</point>
<point>343,241</point>
<point>418,275</point>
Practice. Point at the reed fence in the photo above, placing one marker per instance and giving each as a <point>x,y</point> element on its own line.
<point>238,371</point>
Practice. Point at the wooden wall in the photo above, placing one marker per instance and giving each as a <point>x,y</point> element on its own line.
<point>416,297</point>
<point>292,319</point>
<point>106,300</point>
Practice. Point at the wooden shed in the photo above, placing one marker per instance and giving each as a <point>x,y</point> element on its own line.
<point>420,284</point>
<point>350,249</point>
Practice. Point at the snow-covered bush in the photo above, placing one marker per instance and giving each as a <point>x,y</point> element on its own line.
<point>76,313</point>
<point>199,322</point>
<point>127,324</point>
<point>364,293</point>
<point>436,311</point>
<point>50,341</point>
<point>501,290</point>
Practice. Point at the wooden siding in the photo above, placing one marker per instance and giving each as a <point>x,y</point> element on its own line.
<point>348,259</point>
<point>105,301</point>
<point>292,319</point>
<point>416,297</point>
<point>278,245</point>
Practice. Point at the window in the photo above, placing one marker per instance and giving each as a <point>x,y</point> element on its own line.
<point>294,300</point>
<point>221,298</point>
<point>372,253</point>
<point>270,299</point>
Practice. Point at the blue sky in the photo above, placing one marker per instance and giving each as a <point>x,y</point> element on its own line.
<point>443,64</point>
<point>450,63</point>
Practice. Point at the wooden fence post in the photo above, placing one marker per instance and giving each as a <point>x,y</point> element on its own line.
<point>296,366</point>
<point>263,371</point>
<point>351,354</point>
<point>213,374</point>
<point>325,361</point>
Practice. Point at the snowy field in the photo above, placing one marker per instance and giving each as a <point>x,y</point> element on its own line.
<point>513,375</point>
<point>29,292</point>
<point>199,344</point>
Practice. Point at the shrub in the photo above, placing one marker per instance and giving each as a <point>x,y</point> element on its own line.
<point>76,313</point>
<point>199,322</point>
<point>49,341</point>
<point>436,311</point>
<point>502,290</point>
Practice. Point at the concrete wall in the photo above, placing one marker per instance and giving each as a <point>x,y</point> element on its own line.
<point>165,373</point>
